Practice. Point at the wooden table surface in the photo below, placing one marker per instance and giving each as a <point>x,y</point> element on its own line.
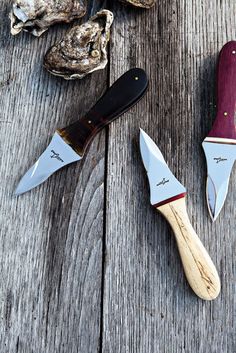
<point>87,265</point>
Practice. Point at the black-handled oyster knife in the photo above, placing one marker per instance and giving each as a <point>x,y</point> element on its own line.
<point>69,144</point>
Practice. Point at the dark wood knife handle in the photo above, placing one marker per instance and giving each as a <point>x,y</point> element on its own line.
<point>224,124</point>
<point>121,96</point>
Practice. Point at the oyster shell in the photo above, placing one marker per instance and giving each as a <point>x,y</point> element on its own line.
<point>140,3</point>
<point>82,50</point>
<point>36,16</point>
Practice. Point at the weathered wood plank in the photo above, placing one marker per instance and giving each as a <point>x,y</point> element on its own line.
<point>50,238</point>
<point>148,305</point>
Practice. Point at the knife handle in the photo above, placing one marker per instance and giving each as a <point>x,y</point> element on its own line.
<point>224,124</point>
<point>198,266</point>
<point>121,96</point>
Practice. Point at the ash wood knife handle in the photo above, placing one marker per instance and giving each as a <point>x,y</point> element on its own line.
<point>198,266</point>
<point>122,95</point>
<point>224,124</point>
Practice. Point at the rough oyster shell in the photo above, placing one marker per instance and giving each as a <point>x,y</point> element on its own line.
<point>36,16</point>
<point>82,50</point>
<point>140,3</point>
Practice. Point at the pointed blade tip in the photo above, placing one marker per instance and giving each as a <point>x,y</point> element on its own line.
<point>19,191</point>
<point>213,215</point>
<point>23,186</point>
<point>214,203</point>
<point>141,130</point>
<point>43,168</point>
<point>144,148</point>
<point>142,134</point>
<point>213,218</point>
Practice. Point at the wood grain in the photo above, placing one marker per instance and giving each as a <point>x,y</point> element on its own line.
<point>199,269</point>
<point>224,123</point>
<point>66,285</point>
<point>148,305</point>
<point>50,238</point>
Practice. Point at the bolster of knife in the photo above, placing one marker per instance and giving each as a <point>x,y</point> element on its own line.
<point>198,266</point>
<point>224,124</point>
<point>123,94</point>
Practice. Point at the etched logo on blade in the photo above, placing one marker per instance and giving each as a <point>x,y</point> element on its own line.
<point>163,182</point>
<point>219,159</point>
<point>56,155</point>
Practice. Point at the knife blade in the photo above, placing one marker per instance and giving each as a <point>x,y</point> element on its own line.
<point>220,144</point>
<point>68,144</point>
<point>168,197</point>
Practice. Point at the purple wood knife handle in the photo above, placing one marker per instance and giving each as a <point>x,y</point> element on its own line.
<point>224,124</point>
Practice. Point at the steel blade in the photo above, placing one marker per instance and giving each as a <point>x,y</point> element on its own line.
<point>57,155</point>
<point>163,184</point>
<point>220,159</point>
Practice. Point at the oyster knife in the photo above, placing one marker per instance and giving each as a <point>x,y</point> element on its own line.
<point>69,144</point>
<point>168,197</point>
<point>220,144</point>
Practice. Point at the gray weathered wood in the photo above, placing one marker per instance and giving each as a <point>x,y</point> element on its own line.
<point>51,238</point>
<point>148,305</point>
<point>80,273</point>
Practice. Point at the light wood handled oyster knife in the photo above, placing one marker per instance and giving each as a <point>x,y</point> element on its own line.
<point>168,197</point>
<point>68,145</point>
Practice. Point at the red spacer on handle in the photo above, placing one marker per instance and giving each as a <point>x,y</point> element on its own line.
<point>174,198</point>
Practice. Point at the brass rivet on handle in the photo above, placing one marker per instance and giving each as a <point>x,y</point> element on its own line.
<point>94,53</point>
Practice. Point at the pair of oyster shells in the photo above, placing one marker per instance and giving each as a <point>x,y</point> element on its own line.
<point>84,47</point>
<point>36,16</point>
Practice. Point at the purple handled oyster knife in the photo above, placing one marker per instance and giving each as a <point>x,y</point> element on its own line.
<point>68,145</point>
<point>220,144</point>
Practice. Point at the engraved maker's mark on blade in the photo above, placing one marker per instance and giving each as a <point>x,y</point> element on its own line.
<point>57,156</point>
<point>220,159</point>
<point>163,182</point>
